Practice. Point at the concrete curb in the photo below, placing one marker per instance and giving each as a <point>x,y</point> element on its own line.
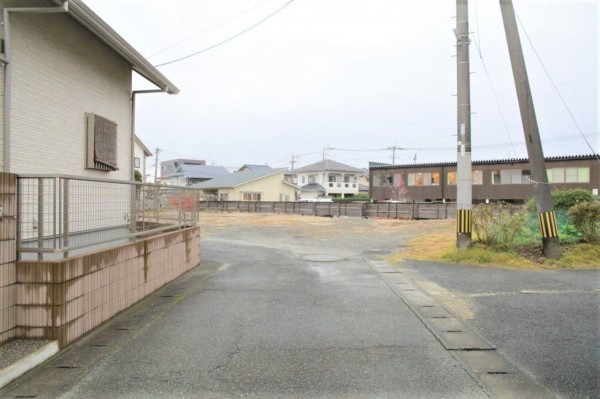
<point>20,367</point>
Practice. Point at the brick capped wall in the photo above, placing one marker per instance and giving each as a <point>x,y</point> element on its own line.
<point>8,256</point>
<point>64,299</point>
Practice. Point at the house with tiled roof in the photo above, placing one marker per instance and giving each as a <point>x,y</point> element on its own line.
<point>339,180</point>
<point>257,185</point>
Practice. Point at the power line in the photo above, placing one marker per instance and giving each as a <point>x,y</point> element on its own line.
<point>209,28</point>
<point>556,88</point>
<point>487,74</point>
<point>229,39</point>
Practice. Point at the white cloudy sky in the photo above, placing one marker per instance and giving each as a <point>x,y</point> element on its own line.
<point>355,75</point>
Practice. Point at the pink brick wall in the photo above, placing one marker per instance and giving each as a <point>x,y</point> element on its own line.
<point>65,299</point>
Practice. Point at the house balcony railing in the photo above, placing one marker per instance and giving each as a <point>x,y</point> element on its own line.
<point>61,216</point>
<point>342,185</point>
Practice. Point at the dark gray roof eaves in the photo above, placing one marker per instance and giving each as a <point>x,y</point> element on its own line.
<point>238,178</point>
<point>99,28</point>
<point>486,162</point>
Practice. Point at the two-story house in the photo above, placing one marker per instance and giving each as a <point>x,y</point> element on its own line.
<point>67,96</point>
<point>335,179</point>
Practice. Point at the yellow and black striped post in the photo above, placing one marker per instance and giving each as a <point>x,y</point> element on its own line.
<point>463,221</point>
<point>548,225</point>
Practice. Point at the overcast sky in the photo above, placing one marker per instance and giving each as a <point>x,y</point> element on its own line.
<point>355,75</point>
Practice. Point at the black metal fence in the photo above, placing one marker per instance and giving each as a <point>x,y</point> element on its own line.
<point>389,210</point>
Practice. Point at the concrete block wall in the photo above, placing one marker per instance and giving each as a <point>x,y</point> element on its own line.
<point>8,256</point>
<point>63,300</point>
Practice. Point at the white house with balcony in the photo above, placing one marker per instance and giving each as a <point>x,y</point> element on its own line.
<point>337,179</point>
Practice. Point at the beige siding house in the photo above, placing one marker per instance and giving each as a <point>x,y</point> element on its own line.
<point>61,63</point>
<point>260,185</point>
<point>67,107</point>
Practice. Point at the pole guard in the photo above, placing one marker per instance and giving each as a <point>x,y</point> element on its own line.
<point>548,224</point>
<point>463,221</point>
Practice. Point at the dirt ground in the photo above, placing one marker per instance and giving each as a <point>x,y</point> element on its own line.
<point>384,234</point>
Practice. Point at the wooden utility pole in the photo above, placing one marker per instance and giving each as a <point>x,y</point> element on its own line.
<point>464,194</point>
<point>537,164</point>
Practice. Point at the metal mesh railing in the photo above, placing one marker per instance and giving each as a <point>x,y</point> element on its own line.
<point>65,215</point>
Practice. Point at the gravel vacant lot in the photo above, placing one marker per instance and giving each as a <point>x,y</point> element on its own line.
<point>355,234</point>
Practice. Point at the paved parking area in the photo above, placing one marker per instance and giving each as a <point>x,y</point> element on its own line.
<point>305,307</point>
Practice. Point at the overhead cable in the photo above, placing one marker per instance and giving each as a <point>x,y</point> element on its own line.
<point>228,39</point>
<point>557,91</point>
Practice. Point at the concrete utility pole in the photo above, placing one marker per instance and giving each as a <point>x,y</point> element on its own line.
<point>293,162</point>
<point>537,164</point>
<point>156,164</point>
<point>464,195</point>
<point>393,149</point>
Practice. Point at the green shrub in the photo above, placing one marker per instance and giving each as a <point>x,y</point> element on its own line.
<point>531,232</point>
<point>585,216</point>
<point>564,199</point>
<point>496,225</point>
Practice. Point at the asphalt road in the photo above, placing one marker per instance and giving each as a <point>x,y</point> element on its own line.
<point>548,322</point>
<point>265,318</point>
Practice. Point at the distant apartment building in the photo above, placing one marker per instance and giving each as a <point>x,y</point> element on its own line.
<point>507,180</point>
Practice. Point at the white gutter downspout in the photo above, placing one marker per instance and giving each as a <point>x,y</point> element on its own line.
<point>7,72</point>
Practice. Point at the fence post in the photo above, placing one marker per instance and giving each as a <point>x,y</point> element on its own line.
<point>65,212</point>
<point>40,221</point>
<point>54,183</point>
<point>412,213</point>
<point>388,210</point>
<point>315,209</point>
<point>133,208</point>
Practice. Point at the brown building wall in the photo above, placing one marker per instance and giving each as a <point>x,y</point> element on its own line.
<point>481,192</point>
<point>62,300</point>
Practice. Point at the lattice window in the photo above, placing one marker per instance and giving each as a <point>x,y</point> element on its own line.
<point>101,143</point>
